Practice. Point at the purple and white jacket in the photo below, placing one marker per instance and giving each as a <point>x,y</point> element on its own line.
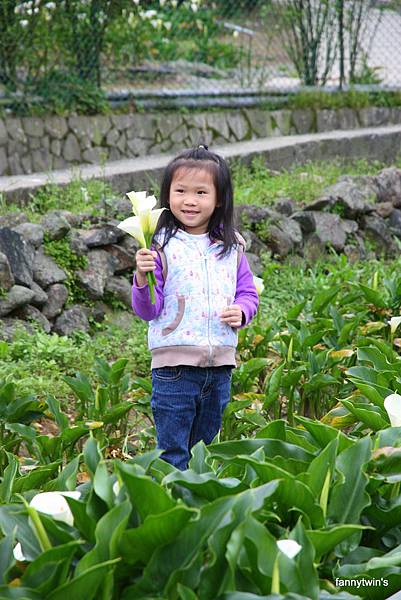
<point>193,287</point>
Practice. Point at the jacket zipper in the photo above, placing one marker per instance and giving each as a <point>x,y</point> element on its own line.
<point>208,314</point>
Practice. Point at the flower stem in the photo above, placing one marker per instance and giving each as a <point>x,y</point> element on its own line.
<point>151,287</point>
<point>39,529</point>
<point>275,578</point>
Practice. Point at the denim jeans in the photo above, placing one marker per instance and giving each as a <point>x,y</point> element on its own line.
<point>187,404</point>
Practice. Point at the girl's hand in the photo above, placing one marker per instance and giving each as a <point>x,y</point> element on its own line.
<point>145,261</point>
<point>232,315</point>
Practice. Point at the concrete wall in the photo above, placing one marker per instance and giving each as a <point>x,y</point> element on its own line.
<point>30,144</point>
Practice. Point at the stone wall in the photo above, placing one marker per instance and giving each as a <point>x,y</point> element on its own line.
<point>358,216</point>
<point>30,144</point>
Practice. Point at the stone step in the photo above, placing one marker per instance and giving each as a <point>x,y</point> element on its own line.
<point>373,143</point>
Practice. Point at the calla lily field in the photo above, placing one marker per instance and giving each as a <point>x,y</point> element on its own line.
<point>298,497</point>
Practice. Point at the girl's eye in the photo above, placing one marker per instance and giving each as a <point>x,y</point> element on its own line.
<point>179,191</point>
<point>201,192</point>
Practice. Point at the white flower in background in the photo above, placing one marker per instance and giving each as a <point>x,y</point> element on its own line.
<point>150,14</point>
<point>18,553</point>
<point>55,505</point>
<point>168,25</point>
<point>258,284</point>
<point>174,3</point>
<point>162,3</point>
<point>392,404</point>
<point>194,7</point>
<point>50,5</point>
<point>235,33</point>
<point>394,323</point>
<point>24,23</point>
<point>289,547</point>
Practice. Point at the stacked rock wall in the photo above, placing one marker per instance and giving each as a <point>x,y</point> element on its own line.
<point>32,144</point>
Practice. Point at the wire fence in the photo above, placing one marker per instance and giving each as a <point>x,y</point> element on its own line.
<point>74,54</point>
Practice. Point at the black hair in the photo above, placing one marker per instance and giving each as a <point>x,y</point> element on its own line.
<point>221,223</point>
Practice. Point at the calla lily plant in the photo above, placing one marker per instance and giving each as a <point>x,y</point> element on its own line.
<point>142,226</point>
<point>290,548</point>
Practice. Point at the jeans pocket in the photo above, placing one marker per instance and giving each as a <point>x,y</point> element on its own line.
<point>167,373</point>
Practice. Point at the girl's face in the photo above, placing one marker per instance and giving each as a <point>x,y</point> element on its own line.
<point>193,198</point>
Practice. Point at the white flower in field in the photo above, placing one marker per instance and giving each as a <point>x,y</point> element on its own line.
<point>55,505</point>
<point>258,284</point>
<point>174,3</point>
<point>235,34</point>
<point>394,323</point>
<point>24,23</point>
<point>50,5</point>
<point>150,14</point>
<point>289,547</point>
<point>168,25</point>
<point>194,6</point>
<point>162,3</point>
<point>392,404</point>
<point>18,553</point>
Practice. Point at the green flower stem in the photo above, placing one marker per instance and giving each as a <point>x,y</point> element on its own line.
<point>151,287</point>
<point>275,578</point>
<point>40,531</point>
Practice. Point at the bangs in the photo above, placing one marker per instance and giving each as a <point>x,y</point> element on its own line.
<point>189,164</point>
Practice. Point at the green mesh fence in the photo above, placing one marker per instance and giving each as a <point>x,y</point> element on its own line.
<point>78,54</point>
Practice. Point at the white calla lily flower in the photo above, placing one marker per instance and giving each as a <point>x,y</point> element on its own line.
<point>132,226</point>
<point>140,201</point>
<point>116,488</point>
<point>17,552</point>
<point>258,281</point>
<point>394,323</point>
<point>55,505</point>
<point>392,404</point>
<point>289,547</point>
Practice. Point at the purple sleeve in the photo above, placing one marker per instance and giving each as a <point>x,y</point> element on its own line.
<point>246,295</point>
<point>141,304</point>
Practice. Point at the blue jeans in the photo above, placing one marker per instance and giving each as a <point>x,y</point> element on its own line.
<point>187,404</point>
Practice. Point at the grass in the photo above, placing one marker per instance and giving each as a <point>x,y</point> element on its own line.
<point>257,185</point>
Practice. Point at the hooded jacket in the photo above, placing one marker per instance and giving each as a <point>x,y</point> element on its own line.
<point>193,287</point>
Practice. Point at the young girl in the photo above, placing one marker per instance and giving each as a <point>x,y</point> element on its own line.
<point>204,294</point>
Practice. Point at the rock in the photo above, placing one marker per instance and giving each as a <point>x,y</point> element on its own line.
<point>254,264</point>
<point>6,277</point>
<point>293,229</point>
<point>348,197</point>
<point>324,203</point>
<point>46,271</point>
<point>389,183</point>
<point>349,226</point>
<point>376,229</point>
<point>10,326</point>
<point>71,320</point>
<point>76,242</point>
<point>30,313</point>
<point>71,149</point>
<point>55,225</point>
<point>13,219</point>
<point>40,296</point>
<point>17,296</point>
<point>31,232</point>
<point>395,222</point>
<point>306,220</point>
<point>280,242</point>
<point>93,279</point>
<point>285,206</point>
<point>384,209</point>
<point>20,255</point>
<point>121,289</point>
<point>248,215</point>
<point>253,243</point>
<point>57,297</point>
<point>102,236</point>
<point>329,230</point>
<point>125,261</point>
